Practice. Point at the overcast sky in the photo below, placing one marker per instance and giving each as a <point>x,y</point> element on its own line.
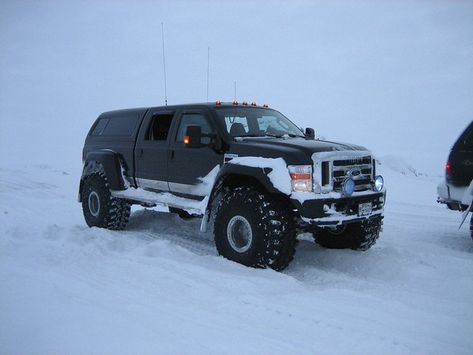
<point>395,76</point>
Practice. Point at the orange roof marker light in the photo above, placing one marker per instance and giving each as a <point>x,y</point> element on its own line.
<point>245,103</point>
<point>253,103</point>
<point>218,103</point>
<point>265,105</point>
<point>235,102</point>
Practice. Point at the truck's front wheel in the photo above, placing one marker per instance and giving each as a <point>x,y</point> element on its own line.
<point>254,229</point>
<point>356,236</point>
<point>99,207</point>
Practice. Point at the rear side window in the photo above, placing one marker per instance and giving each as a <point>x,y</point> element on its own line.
<point>100,126</point>
<point>466,139</point>
<point>121,125</point>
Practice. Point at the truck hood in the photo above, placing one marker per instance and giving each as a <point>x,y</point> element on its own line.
<point>294,150</point>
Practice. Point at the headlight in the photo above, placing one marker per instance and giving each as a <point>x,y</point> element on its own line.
<point>348,187</point>
<point>301,177</point>
<point>378,183</point>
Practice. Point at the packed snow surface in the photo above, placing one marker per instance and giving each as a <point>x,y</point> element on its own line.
<point>160,287</point>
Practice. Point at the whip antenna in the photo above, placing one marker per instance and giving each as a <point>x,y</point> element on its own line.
<point>234,90</point>
<point>164,66</point>
<point>208,72</point>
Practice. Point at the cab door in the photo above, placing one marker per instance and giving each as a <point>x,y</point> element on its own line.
<point>189,169</point>
<point>152,150</point>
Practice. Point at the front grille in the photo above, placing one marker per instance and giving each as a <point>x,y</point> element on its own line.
<point>359,169</point>
<point>356,161</point>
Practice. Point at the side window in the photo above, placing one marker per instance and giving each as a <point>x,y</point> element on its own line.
<point>158,129</point>
<point>120,126</point>
<point>193,119</point>
<point>468,140</point>
<point>100,126</point>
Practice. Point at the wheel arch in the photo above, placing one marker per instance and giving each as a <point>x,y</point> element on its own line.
<point>232,175</point>
<point>107,162</point>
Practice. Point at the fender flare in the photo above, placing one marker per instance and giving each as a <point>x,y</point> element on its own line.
<point>107,162</point>
<point>227,170</point>
<point>259,174</point>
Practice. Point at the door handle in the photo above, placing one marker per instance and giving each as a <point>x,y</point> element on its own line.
<point>172,154</point>
<point>141,152</point>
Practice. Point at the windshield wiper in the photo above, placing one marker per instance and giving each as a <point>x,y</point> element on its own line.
<point>247,135</point>
<point>274,135</point>
<point>292,135</point>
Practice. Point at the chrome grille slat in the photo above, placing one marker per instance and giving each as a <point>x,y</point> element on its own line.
<point>340,168</point>
<point>359,177</point>
<point>347,167</point>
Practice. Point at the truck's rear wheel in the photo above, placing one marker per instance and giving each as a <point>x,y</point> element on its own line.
<point>254,229</point>
<point>356,236</point>
<point>99,207</point>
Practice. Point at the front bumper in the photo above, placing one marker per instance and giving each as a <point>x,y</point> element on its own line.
<point>337,211</point>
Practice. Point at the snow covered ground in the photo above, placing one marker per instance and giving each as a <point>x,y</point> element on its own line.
<point>160,286</point>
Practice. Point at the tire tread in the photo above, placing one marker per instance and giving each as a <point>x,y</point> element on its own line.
<point>117,210</point>
<point>275,222</point>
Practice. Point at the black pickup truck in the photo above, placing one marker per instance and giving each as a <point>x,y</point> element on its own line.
<point>246,170</point>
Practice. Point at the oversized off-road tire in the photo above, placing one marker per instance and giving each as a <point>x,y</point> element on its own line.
<point>356,236</point>
<point>254,229</point>
<point>99,207</point>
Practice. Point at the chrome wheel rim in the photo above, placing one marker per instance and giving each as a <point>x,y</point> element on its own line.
<point>94,203</point>
<point>239,234</point>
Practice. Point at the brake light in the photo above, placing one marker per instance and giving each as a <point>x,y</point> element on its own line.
<point>186,140</point>
<point>448,168</point>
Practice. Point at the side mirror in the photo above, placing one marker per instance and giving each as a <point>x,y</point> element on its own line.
<point>310,133</point>
<point>193,137</point>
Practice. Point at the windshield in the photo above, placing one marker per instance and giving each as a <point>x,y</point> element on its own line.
<point>257,122</point>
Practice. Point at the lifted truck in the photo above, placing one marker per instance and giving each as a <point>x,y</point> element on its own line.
<point>248,169</point>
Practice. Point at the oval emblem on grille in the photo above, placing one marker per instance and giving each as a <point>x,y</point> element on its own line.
<point>354,172</point>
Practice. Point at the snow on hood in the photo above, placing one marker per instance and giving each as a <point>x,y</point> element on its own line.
<point>340,155</point>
